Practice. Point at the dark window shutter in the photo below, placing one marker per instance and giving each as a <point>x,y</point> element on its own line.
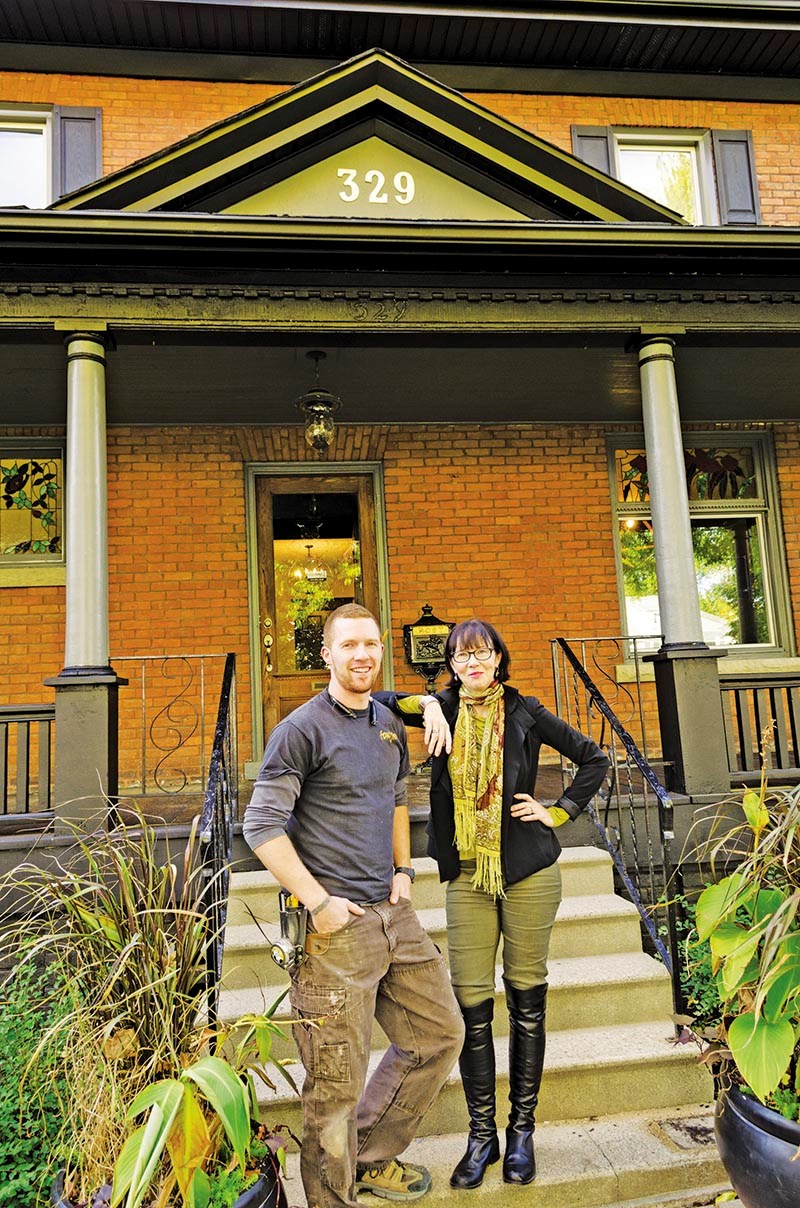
<point>737,184</point>
<point>77,149</point>
<point>592,144</point>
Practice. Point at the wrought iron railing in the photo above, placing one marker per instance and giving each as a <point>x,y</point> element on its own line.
<point>762,725</point>
<point>216,829</point>
<point>166,720</point>
<point>26,759</point>
<point>633,812</point>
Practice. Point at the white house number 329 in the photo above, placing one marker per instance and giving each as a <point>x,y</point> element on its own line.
<point>374,185</point>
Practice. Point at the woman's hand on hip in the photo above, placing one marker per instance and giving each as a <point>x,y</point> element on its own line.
<point>528,809</point>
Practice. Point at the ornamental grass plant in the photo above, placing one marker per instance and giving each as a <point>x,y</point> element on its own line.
<point>125,935</point>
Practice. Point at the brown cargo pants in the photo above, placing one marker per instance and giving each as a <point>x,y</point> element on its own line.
<point>382,966</point>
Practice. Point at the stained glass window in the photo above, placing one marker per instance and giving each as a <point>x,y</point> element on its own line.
<point>31,502</point>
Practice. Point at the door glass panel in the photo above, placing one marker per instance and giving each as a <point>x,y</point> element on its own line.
<point>730,580</point>
<point>317,561</point>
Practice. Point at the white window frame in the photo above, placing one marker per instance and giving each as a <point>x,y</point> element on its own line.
<point>765,509</point>
<point>662,139</point>
<point>22,117</point>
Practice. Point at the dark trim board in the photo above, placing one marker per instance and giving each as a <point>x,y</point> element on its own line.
<point>466,77</point>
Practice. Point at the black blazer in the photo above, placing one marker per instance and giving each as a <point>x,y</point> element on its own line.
<point>525,847</point>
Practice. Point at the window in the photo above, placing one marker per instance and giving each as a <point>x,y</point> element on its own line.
<point>31,513</point>
<point>46,152</point>
<point>25,158</point>
<point>737,545</point>
<point>707,176</point>
<point>675,169</point>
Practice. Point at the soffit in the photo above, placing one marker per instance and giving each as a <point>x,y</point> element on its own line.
<point>744,38</point>
<point>375,96</point>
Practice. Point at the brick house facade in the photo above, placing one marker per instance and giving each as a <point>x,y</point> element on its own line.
<point>510,518</point>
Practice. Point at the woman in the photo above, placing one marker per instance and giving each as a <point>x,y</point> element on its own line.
<point>496,848</point>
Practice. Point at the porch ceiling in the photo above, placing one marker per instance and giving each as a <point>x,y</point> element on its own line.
<point>155,378</point>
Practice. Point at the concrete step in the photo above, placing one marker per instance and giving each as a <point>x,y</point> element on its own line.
<point>586,1071</point>
<point>253,895</point>
<point>628,987</point>
<point>638,1160</point>
<point>585,926</point>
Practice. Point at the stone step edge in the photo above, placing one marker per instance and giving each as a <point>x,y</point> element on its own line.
<point>565,973</point>
<point>589,1162</point>
<point>582,908</point>
<point>426,867</point>
<point>574,1049</point>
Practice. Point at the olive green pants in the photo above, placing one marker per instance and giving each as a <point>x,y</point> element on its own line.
<point>476,921</point>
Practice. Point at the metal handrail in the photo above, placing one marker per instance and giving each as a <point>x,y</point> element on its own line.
<point>220,808</point>
<point>671,885</point>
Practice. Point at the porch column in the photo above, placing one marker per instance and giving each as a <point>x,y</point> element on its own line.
<point>86,689</point>
<point>687,678</point>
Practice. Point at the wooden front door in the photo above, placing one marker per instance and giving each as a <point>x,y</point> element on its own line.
<point>316,550</point>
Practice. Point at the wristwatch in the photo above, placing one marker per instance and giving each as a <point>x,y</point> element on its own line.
<point>410,872</point>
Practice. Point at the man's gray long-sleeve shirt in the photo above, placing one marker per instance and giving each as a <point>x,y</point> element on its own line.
<point>330,780</point>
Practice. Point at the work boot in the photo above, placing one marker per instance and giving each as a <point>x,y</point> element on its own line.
<point>393,1180</point>
<point>526,1013</point>
<point>476,1064</point>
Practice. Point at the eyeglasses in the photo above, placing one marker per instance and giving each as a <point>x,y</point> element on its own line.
<point>463,656</point>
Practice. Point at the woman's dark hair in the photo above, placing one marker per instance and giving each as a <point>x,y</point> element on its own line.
<point>474,633</point>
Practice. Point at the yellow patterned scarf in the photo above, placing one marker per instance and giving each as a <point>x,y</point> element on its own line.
<point>476,772</point>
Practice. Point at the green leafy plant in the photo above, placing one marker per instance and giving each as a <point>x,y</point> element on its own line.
<point>31,1095</point>
<point>195,1121</point>
<point>748,918</point>
<point>128,934</point>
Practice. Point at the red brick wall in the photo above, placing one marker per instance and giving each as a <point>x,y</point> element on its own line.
<point>510,522</point>
<point>142,116</point>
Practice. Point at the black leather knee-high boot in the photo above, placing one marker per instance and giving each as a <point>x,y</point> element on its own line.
<point>476,1064</point>
<point>526,1012</point>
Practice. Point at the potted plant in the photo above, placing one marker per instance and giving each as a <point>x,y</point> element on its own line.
<point>748,919</point>
<point>158,1109</point>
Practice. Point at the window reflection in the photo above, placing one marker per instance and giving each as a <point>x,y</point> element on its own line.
<point>730,580</point>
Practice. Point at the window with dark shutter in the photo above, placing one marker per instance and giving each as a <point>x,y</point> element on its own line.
<point>737,184</point>
<point>77,149</point>
<point>593,145</point>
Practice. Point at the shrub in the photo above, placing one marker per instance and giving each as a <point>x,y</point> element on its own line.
<point>31,1093</point>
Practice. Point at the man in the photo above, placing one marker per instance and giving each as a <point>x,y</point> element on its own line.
<point>328,818</point>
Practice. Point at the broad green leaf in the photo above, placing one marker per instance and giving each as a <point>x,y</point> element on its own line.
<point>755,811</point>
<point>762,1051</point>
<point>227,1096</point>
<point>717,902</point>
<point>781,983</point>
<point>189,1145</point>
<point>767,902</point>
<point>124,1166</point>
<point>200,1190</point>
<point>151,1142</point>
<point>727,938</point>
<point>739,966</point>
<point>158,1092</point>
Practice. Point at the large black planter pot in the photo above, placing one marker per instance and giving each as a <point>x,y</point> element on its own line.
<point>266,1192</point>
<point>757,1145</point>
